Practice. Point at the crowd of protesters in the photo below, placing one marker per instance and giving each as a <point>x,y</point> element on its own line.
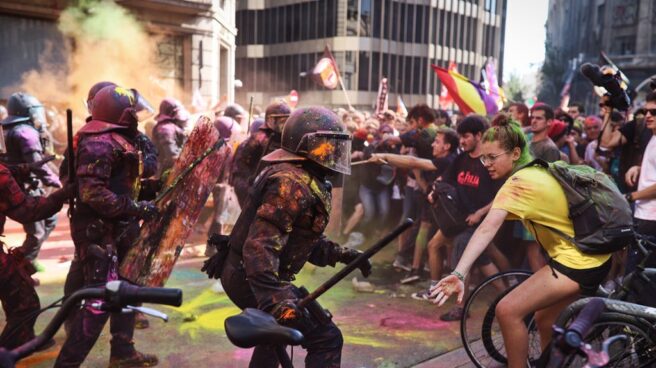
<point>400,161</point>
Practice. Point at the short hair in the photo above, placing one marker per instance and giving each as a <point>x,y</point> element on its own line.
<point>565,118</point>
<point>472,124</point>
<point>450,137</point>
<point>548,111</point>
<point>422,111</point>
<point>651,97</point>
<point>579,106</point>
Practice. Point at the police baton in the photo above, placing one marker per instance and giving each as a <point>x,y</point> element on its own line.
<point>339,276</point>
<point>71,158</point>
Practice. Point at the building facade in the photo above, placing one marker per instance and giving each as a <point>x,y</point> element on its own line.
<point>623,29</point>
<point>196,53</point>
<point>279,40</point>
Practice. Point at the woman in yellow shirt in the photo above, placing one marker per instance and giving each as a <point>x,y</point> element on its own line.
<point>534,197</point>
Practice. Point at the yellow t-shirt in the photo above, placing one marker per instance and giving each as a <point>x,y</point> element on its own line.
<point>533,195</point>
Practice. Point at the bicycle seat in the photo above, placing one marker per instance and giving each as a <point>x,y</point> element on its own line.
<point>254,327</point>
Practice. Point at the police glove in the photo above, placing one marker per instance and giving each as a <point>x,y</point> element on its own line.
<point>213,266</point>
<point>147,210</point>
<point>349,255</point>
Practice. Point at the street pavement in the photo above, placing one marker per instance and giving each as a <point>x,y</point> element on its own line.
<point>382,329</point>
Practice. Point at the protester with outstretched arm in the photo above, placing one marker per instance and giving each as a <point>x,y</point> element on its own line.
<point>533,196</point>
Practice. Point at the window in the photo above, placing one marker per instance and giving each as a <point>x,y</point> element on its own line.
<point>375,71</point>
<point>366,14</point>
<point>377,14</point>
<point>394,20</point>
<point>388,20</point>
<point>331,31</point>
<point>310,20</point>
<point>409,21</point>
<point>363,71</point>
<point>352,17</point>
<point>321,19</point>
<point>625,45</point>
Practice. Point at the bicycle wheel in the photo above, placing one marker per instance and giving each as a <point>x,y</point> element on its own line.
<point>639,349</point>
<point>480,333</point>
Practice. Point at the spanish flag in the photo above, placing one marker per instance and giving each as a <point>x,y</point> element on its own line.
<point>469,96</point>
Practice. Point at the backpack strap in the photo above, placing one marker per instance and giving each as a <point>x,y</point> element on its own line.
<point>536,162</point>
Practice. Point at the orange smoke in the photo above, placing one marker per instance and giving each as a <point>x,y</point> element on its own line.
<point>106,43</point>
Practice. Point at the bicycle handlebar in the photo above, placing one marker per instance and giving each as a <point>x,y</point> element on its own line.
<point>118,294</point>
<point>575,333</point>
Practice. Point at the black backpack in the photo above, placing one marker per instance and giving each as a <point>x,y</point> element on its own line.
<point>446,209</point>
<point>602,218</point>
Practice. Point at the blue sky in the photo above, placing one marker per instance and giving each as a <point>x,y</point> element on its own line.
<point>525,36</point>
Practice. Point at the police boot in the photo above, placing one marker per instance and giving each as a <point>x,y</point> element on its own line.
<point>137,359</point>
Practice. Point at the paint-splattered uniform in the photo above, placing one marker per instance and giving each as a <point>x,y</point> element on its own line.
<point>19,299</point>
<point>168,138</point>
<point>24,146</point>
<point>285,233</point>
<point>108,167</point>
<point>247,158</point>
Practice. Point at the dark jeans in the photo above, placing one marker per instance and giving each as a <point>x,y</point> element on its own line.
<point>323,343</point>
<point>35,234</point>
<point>376,203</point>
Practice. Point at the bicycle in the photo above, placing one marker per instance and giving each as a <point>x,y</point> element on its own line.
<point>487,348</point>
<point>481,337</point>
<point>594,335</point>
<point>116,296</point>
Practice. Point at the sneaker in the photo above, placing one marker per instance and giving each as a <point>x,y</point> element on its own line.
<point>140,321</point>
<point>137,359</point>
<point>421,295</point>
<point>355,239</point>
<point>455,314</point>
<point>402,264</point>
<point>413,276</point>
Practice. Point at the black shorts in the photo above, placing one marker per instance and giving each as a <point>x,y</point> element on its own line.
<point>588,279</point>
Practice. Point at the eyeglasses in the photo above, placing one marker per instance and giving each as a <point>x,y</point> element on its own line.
<point>489,159</point>
<point>651,111</point>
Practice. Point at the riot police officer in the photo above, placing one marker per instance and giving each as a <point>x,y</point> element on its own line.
<point>246,162</point>
<point>281,228</point>
<point>105,221</point>
<point>19,299</point>
<point>25,144</point>
<point>168,133</point>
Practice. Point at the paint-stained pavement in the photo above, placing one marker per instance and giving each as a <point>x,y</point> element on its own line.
<point>382,329</point>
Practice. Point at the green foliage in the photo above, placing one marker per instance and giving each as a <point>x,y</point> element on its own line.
<point>515,89</point>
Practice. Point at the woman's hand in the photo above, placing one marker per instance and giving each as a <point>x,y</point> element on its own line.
<point>445,288</point>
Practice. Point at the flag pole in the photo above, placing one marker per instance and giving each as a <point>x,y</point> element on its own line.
<point>339,78</point>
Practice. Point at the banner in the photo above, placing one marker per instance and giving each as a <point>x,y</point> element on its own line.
<point>468,95</point>
<point>445,99</point>
<point>381,100</point>
<point>325,72</point>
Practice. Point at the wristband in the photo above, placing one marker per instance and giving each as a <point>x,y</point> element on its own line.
<point>458,275</point>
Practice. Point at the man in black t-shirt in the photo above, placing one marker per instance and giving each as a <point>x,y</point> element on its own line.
<point>475,190</point>
<point>632,137</point>
<point>445,148</point>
